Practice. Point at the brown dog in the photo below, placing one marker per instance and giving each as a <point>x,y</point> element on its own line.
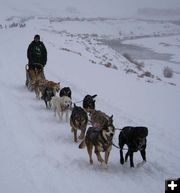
<point>100,119</point>
<point>78,121</point>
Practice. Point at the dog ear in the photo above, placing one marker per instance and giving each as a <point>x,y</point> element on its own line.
<point>111,118</point>
<point>93,96</point>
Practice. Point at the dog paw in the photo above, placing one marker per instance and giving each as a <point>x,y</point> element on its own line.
<point>141,164</point>
<point>122,161</point>
<point>104,165</point>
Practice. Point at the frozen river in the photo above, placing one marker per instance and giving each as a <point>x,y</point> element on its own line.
<point>136,52</point>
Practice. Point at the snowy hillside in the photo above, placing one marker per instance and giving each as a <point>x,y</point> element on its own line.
<point>120,60</point>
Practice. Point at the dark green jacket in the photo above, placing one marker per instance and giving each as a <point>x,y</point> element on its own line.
<point>37,53</point>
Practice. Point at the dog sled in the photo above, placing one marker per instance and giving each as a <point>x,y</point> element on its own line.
<point>34,73</point>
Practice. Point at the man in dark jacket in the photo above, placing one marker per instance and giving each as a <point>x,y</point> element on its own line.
<point>37,53</point>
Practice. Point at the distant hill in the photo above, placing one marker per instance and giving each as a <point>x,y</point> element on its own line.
<point>158,12</point>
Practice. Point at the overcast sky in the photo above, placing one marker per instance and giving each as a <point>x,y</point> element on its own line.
<point>128,6</point>
<point>84,7</point>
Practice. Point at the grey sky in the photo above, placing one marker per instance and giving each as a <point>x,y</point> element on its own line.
<point>84,7</point>
<point>128,6</point>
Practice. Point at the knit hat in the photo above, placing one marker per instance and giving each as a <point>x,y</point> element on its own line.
<point>37,37</point>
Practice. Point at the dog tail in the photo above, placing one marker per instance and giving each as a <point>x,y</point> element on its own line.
<point>82,144</point>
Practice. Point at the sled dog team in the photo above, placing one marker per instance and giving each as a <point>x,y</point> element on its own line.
<point>98,136</point>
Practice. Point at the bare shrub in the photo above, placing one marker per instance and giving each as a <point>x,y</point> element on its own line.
<point>168,72</point>
<point>109,65</point>
<point>92,61</point>
<point>115,67</point>
<point>14,24</point>
<point>130,71</point>
<point>146,74</point>
<point>157,78</point>
<point>139,65</point>
<point>171,83</point>
<point>22,25</point>
<point>128,57</point>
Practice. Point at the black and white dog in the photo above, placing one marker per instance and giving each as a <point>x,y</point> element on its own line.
<point>66,91</point>
<point>47,94</point>
<point>89,102</point>
<point>135,139</point>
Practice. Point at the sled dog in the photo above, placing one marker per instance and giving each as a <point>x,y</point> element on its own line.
<point>89,102</point>
<point>47,95</point>
<point>65,91</point>
<point>41,84</point>
<point>61,106</point>
<point>101,140</point>
<point>78,121</point>
<point>135,139</point>
<point>32,75</point>
<point>100,119</point>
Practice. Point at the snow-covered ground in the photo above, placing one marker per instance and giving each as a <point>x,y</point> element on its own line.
<point>37,150</point>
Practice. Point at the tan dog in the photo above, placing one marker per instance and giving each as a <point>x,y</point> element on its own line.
<point>41,84</point>
<point>33,75</point>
